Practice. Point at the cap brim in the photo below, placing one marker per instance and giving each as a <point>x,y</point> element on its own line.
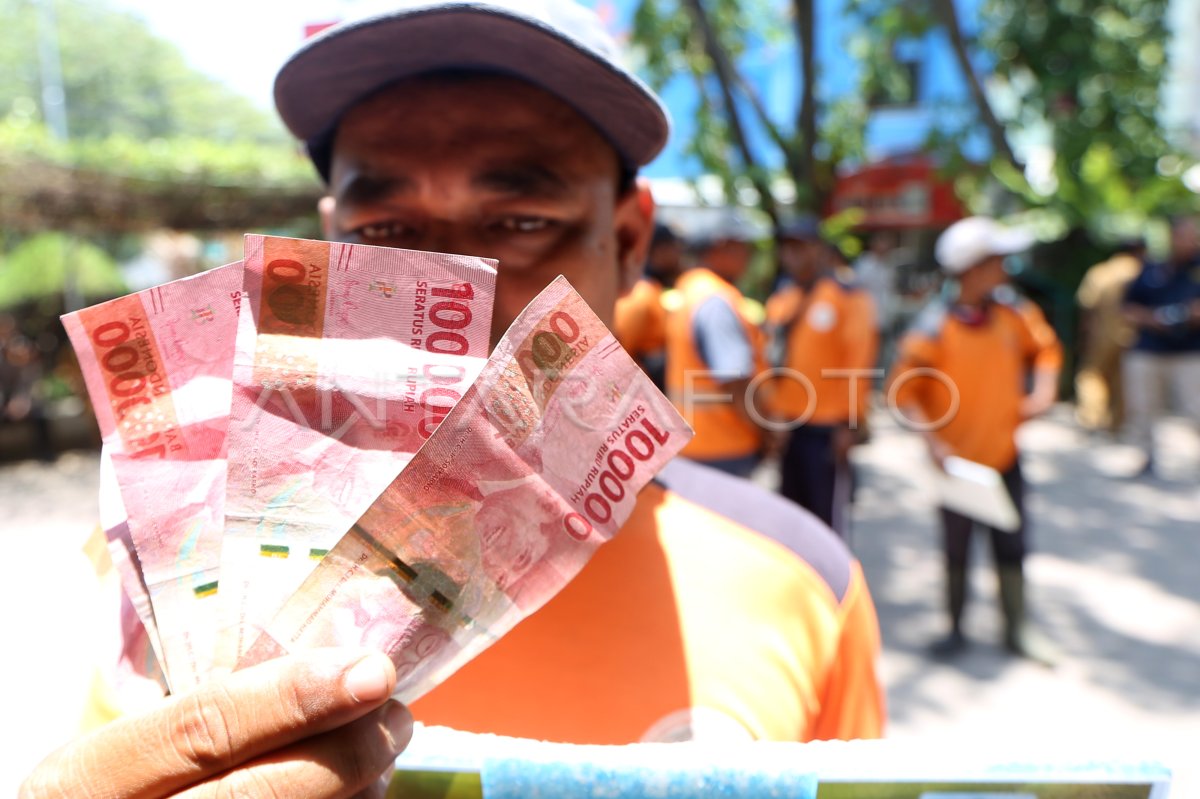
<point>342,66</point>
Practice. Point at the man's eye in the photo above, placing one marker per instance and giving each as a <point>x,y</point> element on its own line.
<point>381,231</point>
<point>524,224</point>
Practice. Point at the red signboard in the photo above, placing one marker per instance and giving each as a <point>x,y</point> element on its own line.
<point>904,192</point>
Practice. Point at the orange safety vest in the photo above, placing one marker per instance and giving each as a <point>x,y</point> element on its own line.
<point>831,326</point>
<point>721,432</point>
<point>640,319</point>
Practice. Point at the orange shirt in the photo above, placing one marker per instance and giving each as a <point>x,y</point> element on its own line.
<point>721,432</point>
<point>640,323</point>
<point>684,618</point>
<point>982,369</point>
<point>831,327</point>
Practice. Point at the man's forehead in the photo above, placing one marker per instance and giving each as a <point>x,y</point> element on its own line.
<point>492,120</point>
<point>465,99</point>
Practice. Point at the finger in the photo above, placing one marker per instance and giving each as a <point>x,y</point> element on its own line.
<point>220,725</point>
<point>377,791</point>
<point>341,763</point>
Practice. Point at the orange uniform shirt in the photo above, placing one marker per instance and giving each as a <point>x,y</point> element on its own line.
<point>981,368</point>
<point>686,619</point>
<point>640,323</point>
<point>721,432</point>
<point>831,327</point>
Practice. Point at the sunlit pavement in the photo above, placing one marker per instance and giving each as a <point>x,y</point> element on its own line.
<point>56,618</point>
<point>1113,582</point>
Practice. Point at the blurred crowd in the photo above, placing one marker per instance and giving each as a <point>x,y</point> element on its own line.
<point>1140,350</point>
<point>1136,349</point>
<point>788,383</point>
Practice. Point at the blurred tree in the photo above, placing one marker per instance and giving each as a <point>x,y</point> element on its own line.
<point>1089,75</point>
<point>118,78</point>
<point>153,143</point>
<point>60,270</point>
<point>1079,86</point>
<point>736,137</point>
<point>1071,85</point>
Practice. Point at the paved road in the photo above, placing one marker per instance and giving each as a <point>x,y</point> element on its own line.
<point>53,609</point>
<point>1114,583</point>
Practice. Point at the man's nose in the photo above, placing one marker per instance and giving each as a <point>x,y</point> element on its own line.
<point>450,236</point>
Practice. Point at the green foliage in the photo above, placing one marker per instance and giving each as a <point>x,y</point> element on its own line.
<point>135,108</point>
<point>178,159</point>
<point>119,79</point>
<point>672,45</point>
<point>50,264</point>
<point>1090,74</point>
<point>1083,76</point>
<point>881,24</point>
<point>838,230</point>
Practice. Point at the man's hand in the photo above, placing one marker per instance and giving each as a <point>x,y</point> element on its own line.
<point>1042,396</point>
<point>844,439</point>
<point>317,724</point>
<point>938,451</point>
<point>1143,317</point>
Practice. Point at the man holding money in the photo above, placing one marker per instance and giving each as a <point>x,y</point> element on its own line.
<point>718,612</point>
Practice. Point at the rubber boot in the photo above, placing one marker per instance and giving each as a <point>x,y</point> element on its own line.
<point>956,601</point>
<point>1020,637</point>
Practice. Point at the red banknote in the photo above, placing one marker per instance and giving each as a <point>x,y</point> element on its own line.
<point>347,359</point>
<point>538,465</point>
<point>158,365</point>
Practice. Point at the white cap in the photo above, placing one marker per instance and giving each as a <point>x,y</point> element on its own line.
<point>969,241</point>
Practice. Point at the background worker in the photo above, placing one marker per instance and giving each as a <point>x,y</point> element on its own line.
<point>1106,334</point>
<point>977,353</point>
<point>823,343</point>
<point>714,351</point>
<point>1163,304</point>
<point>640,321</point>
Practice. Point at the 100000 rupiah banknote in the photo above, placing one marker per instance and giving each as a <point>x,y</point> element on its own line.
<point>348,357</point>
<point>115,522</point>
<point>539,464</point>
<point>158,365</point>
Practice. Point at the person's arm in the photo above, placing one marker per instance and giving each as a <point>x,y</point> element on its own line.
<point>1087,297</point>
<point>1138,312</point>
<point>862,351</point>
<point>319,724</point>
<point>727,350</point>
<point>909,395</point>
<point>1046,353</point>
<point>1043,394</point>
<point>1143,317</point>
<point>937,448</point>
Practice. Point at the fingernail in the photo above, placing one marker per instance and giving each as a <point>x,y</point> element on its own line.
<point>399,725</point>
<point>368,679</point>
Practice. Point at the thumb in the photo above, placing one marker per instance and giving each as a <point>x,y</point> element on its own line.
<point>220,725</point>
